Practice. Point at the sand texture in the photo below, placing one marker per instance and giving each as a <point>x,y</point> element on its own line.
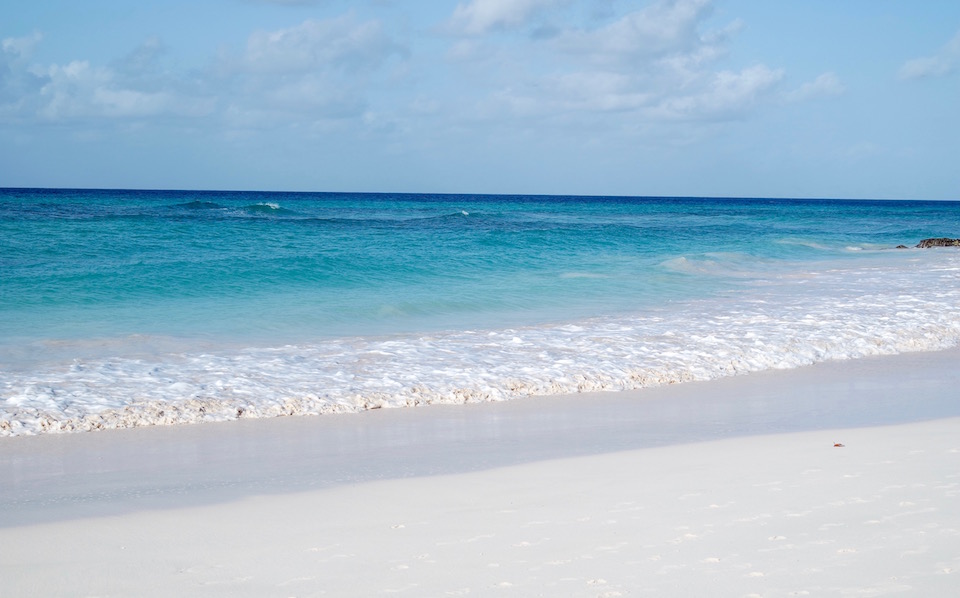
<point>709,507</point>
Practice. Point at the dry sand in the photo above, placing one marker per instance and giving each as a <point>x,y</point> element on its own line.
<point>728,488</point>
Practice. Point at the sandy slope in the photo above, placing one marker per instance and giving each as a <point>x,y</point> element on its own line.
<point>513,500</point>
<point>768,516</point>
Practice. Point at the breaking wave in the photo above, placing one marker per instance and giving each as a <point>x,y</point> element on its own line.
<point>826,314</point>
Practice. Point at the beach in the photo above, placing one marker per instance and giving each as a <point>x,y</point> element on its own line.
<point>283,394</point>
<point>128,309</point>
<point>732,487</point>
<point>479,298</point>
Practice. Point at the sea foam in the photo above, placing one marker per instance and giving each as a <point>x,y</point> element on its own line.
<point>831,311</point>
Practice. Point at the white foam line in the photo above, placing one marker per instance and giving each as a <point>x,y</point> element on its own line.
<point>835,314</point>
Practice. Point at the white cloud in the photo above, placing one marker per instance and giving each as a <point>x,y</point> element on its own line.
<point>332,43</point>
<point>727,95</point>
<point>314,94</point>
<point>480,16</point>
<point>599,91</point>
<point>611,71</point>
<point>826,85</point>
<point>569,94</point>
<point>941,63</point>
<point>319,69</point>
<point>653,65</point>
<point>15,48</point>
<point>68,90</point>
<point>17,82</point>
<point>78,90</point>
<point>131,103</point>
<point>666,27</point>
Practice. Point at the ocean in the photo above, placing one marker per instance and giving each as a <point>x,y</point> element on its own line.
<point>133,308</point>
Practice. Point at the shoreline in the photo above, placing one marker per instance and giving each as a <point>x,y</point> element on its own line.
<point>66,476</point>
<point>836,310</point>
<point>726,487</point>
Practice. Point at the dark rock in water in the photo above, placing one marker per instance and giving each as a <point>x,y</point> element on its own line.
<point>902,247</point>
<point>940,242</point>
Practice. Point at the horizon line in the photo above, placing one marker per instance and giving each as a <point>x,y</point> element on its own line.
<point>446,193</point>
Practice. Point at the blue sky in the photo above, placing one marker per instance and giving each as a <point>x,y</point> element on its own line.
<point>859,98</point>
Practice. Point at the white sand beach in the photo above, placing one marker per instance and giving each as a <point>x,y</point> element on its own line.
<point>728,488</point>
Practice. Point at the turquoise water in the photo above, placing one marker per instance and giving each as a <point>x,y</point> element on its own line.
<point>138,300</point>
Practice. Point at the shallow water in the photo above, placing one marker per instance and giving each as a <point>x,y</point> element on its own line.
<point>131,308</point>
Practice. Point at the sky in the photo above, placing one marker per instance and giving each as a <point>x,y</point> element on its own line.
<point>761,98</point>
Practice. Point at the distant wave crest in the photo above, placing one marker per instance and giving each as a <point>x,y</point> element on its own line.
<point>268,208</point>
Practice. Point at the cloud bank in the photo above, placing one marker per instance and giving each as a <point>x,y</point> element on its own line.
<point>655,64</point>
<point>317,69</point>
<point>478,17</point>
<point>537,63</point>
